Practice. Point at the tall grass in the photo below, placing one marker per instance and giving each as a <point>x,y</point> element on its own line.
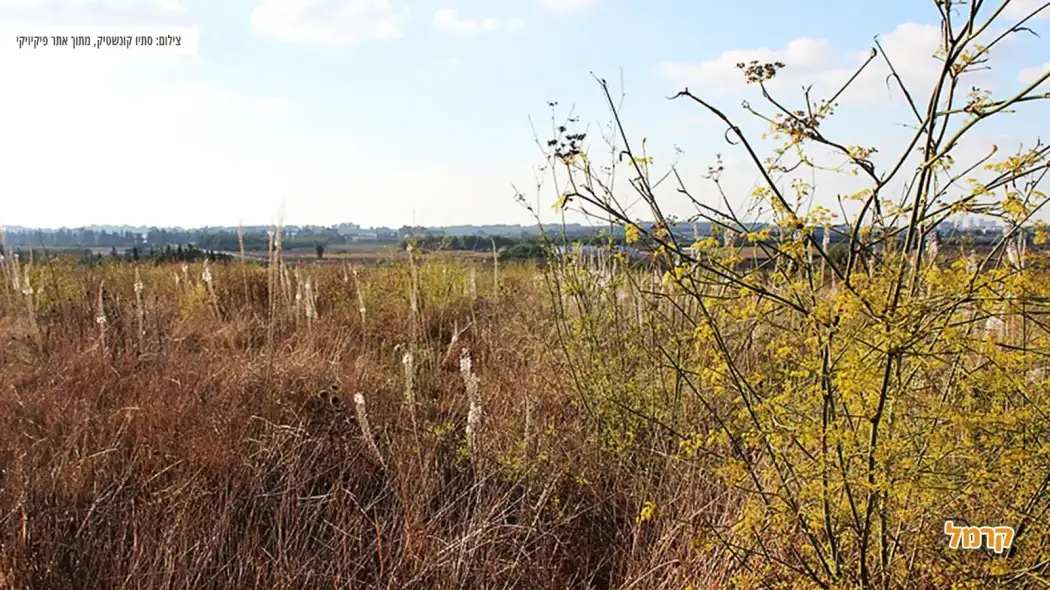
<point>170,434</point>
<point>755,410</point>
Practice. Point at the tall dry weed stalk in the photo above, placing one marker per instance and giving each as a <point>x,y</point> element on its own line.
<point>140,310</point>
<point>273,284</point>
<point>29,295</point>
<point>361,413</point>
<point>471,288</point>
<point>313,287</point>
<point>474,414</point>
<point>310,303</point>
<point>6,268</point>
<point>495,271</point>
<point>213,299</point>
<point>284,276</point>
<point>297,306</point>
<point>4,251</point>
<point>270,269</point>
<point>360,295</point>
<point>243,263</point>
<point>413,298</point>
<point>101,319</point>
<point>408,365</point>
<point>16,273</point>
<point>409,369</point>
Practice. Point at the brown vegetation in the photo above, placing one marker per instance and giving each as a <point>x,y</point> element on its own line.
<point>196,454</point>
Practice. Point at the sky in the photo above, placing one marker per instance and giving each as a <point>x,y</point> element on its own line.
<point>391,112</point>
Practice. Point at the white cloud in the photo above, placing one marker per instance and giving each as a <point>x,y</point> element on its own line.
<point>910,47</point>
<point>448,20</point>
<point>1018,9</point>
<point>328,22</point>
<point>566,5</point>
<point>1029,75</point>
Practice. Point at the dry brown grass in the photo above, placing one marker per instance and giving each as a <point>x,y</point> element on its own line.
<point>197,455</point>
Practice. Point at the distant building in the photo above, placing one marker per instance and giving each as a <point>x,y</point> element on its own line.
<point>348,229</point>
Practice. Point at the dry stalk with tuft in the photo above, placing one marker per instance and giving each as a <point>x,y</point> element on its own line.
<point>244,270</point>
<point>474,415</point>
<point>29,294</point>
<point>366,430</point>
<point>408,363</point>
<point>298,297</point>
<point>360,294</point>
<point>101,319</point>
<point>271,286</point>
<point>413,296</point>
<point>471,289</point>
<point>208,279</point>
<point>310,301</point>
<point>140,311</point>
<point>495,271</point>
<point>16,271</point>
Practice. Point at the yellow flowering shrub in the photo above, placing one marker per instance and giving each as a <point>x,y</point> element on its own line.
<point>856,402</point>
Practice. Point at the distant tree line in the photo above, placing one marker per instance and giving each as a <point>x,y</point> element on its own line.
<point>167,254</point>
<point>292,237</point>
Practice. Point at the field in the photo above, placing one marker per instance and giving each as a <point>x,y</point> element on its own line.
<point>800,398</point>
<point>415,425</point>
<point>196,438</point>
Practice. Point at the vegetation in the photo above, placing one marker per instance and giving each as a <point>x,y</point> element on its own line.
<point>852,400</point>
<point>165,255</point>
<point>761,407</point>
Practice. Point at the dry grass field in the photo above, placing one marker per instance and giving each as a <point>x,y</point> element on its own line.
<point>166,431</point>
<point>409,425</point>
<point>764,408</point>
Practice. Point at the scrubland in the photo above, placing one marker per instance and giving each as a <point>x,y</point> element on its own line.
<point>166,431</point>
<point>413,425</point>
<point>800,398</point>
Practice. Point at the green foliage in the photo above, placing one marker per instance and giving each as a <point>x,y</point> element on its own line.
<point>525,250</point>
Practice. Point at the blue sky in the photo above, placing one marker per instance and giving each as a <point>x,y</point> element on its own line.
<point>378,111</point>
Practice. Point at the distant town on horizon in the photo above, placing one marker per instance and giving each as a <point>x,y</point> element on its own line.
<point>357,232</point>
